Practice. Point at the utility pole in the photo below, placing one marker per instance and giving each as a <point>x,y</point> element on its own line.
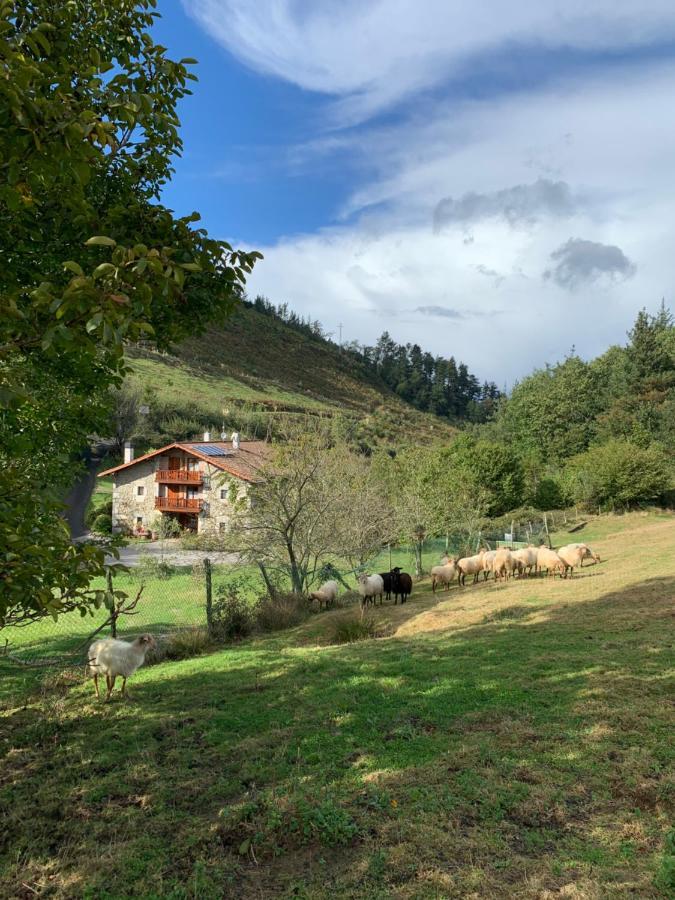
<point>340,327</point>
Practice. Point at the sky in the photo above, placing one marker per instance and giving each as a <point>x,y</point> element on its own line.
<point>493,181</point>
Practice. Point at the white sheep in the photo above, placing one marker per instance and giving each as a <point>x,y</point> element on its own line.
<point>444,574</point>
<point>588,553</point>
<point>470,565</point>
<point>488,562</point>
<point>572,556</point>
<point>370,587</point>
<point>111,658</point>
<point>549,560</point>
<point>527,557</point>
<point>327,594</point>
<point>503,564</point>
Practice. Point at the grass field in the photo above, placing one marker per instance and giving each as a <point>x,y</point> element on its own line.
<point>504,741</point>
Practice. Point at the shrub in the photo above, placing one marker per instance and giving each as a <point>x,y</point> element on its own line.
<point>280,610</point>
<point>618,473</point>
<point>93,512</point>
<point>149,569</point>
<point>232,617</point>
<point>548,495</point>
<point>350,628</point>
<point>181,645</point>
<point>203,542</point>
<point>102,523</point>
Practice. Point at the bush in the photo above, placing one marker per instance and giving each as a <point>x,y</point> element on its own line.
<point>282,610</point>
<point>181,645</point>
<point>204,542</point>
<point>619,474</point>
<point>350,628</point>
<point>149,569</point>
<point>548,495</point>
<point>232,617</point>
<point>102,524</point>
<point>93,512</point>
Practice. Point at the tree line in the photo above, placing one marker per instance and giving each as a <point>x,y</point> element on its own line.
<point>444,387</point>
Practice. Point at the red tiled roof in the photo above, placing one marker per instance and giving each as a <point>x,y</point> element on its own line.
<point>243,463</point>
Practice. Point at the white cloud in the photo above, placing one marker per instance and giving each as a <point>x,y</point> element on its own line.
<point>372,53</point>
<point>611,141</point>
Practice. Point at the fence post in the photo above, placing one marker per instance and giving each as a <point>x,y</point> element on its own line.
<point>113,608</point>
<point>548,536</point>
<point>209,595</point>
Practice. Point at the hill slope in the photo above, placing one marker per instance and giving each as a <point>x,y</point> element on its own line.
<point>258,363</point>
<point>505,741</point>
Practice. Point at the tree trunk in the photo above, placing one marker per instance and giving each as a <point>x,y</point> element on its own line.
<point>418,559</point>
<point>271,590</point>
<point>209,596</point>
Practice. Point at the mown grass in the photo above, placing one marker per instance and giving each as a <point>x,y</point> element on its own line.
<point>474,753</point>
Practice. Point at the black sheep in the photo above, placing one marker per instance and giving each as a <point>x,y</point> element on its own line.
<point>401,584</point>
<point>387,578</point>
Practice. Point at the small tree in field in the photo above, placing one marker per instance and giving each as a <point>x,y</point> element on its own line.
<point>311,506</point>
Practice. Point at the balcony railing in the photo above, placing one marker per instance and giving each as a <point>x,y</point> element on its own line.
<point>178,504</point>
<point>178,476</point>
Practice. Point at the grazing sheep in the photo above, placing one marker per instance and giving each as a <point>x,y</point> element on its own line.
<point>111,658</point>
<point>527,558</point>
<point>572,556</point>
<point>401,584</point>
<point>370,587</point>
<point>470,565</point>
<point>443,575</point>
<point>588,553</point>
<point>503,564</point>
<point>549,560</point>
<point>488,562</point>
<point>327,594</point>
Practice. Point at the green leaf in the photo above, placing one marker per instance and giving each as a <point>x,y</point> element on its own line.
<point>103,269</point>
<point>100,240</point>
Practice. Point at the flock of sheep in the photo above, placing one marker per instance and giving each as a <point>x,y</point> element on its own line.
<point>112,658</point>
<point>504,563</point>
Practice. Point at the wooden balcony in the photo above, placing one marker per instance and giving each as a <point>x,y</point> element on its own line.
<point>179,476</point>
<point>178,504</point>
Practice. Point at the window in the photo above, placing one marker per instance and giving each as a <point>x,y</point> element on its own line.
<point>139,520</point>
<point>223,493</point>
<point>140,490</point>
<point>222,527</point>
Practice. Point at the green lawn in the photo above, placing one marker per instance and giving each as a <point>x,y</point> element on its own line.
<point>506,741</point>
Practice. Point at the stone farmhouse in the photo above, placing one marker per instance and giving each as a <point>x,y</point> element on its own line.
<point>195,482</point>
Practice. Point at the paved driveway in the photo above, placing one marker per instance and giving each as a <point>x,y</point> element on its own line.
<point>132,553</point>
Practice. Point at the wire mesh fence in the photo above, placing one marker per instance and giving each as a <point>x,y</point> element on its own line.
<point>167,602</point>
<point>176,598</point>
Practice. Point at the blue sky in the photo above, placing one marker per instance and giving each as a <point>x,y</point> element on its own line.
<point>491,180</point>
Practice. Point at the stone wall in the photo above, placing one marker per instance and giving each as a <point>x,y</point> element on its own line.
<point>218,509</point>
<point>128,505</point>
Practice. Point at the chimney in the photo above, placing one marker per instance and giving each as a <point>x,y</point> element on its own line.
<point>207,435</point>
<point>128,451</point>
<point>223,435</point>
<point>235,440</point>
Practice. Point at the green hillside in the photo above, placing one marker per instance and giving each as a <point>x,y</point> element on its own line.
<point>256,368</point>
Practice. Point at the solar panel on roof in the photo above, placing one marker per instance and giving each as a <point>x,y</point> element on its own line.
<point>211,450</point>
